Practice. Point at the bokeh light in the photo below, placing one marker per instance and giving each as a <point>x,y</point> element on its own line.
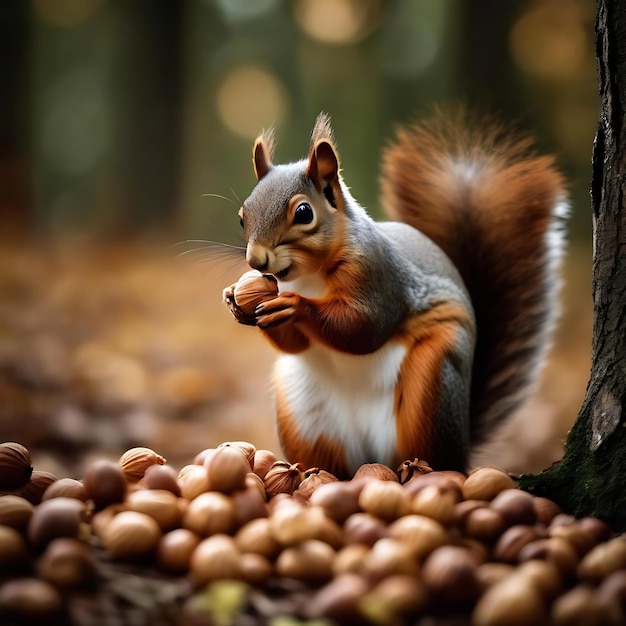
<point>250,98</point>
<point>338,21</point>
<point>551,43</point>
<point>65,13</point>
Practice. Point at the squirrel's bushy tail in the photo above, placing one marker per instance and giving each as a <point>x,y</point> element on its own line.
<point>495,209</point>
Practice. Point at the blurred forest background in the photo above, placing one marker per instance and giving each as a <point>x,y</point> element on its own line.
<point>122,121</point>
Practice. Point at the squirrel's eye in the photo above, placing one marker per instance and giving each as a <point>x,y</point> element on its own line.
<point>303,214</point>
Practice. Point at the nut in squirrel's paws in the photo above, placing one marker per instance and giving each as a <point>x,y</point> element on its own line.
<point>252,289</point>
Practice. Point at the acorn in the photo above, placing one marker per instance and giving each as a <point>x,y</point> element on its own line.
<point>15,466</point>
<point>252,289</point>
<point>135,461</point>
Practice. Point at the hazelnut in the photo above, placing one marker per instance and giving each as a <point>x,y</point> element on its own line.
<point>545,575</point>
<point>512,541</point>
<point>375,470</point>
<point>193,480</point>
<point>409,468</point>
<point>338,499</point>
<point>464,508</point>
<point>175,549</point>
<point>437,479</point>
<point>484,524</point>
<point>67,564</point>
<point>449,573</point>
<point>485,483</point>
<point>603,560</point>
<point>554,550</point>
<point>59,517</point>
<point>545,509</point>
<point>248,505</point>
<point>161,477</point>
<point>227,469</point>
<point>582,605</point>
<point>385,499</point>
<point>29,600</point>
<point>364,528</point>
<point>514,601</point>
<point>13,550</point>
<point>283,477</point>
<point>255,483</point>
<point>314,478</point>
<point>131,535</point>
<point>338,600</point>
<point>489,573</point>
<point>15,466</point>
<point>257,536</point>
<point>599,529</point>
<point>105,483</point>
<point>294,524</point>
<point>252,289</point>
<point>613,588</point>
<point>136,461</point>
<point>350,559</point>
<point>215,558</point>
<point>255,568</point>
<point>65,488</point>
<point>15,511</point>
<point>394,599</point>
<point>515,506</point>
<point>159,504</point>
<point>246,447</point>
<point>389,557</point>
<point>210,513</point>
<point>34,489</point>
<point>311,560</point>
<point>434,503</point>
<point>263,460</point>
<point>420,535</point>
<point>581,539</point>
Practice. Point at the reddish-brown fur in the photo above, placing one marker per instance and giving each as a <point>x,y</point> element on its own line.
<point>430,339</point>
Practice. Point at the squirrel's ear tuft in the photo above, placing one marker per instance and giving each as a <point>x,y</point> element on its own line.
<point>322,131</point>
<point>323,168</point>
<point>262,153</point>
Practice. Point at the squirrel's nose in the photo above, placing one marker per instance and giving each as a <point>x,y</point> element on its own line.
<point>257,257</point>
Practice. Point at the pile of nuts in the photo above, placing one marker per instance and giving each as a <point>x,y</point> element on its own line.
<point>386,547</point>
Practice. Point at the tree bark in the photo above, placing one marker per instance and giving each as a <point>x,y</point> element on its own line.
<point>590,478</point>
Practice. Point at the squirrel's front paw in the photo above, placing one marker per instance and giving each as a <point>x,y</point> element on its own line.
<point>278,310</point>
<point>228,297</point>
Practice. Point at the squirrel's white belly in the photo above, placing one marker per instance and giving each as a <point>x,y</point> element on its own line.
<point>347,398</point>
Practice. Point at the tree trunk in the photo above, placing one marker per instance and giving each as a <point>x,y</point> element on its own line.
<point>590,478</point>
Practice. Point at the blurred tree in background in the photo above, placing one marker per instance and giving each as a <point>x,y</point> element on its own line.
<point>119,115</point>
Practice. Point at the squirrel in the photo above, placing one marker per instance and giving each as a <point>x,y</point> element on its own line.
<point>410,338</point>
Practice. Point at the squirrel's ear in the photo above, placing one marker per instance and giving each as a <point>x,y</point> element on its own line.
<point>262,153</point>
<point>323,168</point>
